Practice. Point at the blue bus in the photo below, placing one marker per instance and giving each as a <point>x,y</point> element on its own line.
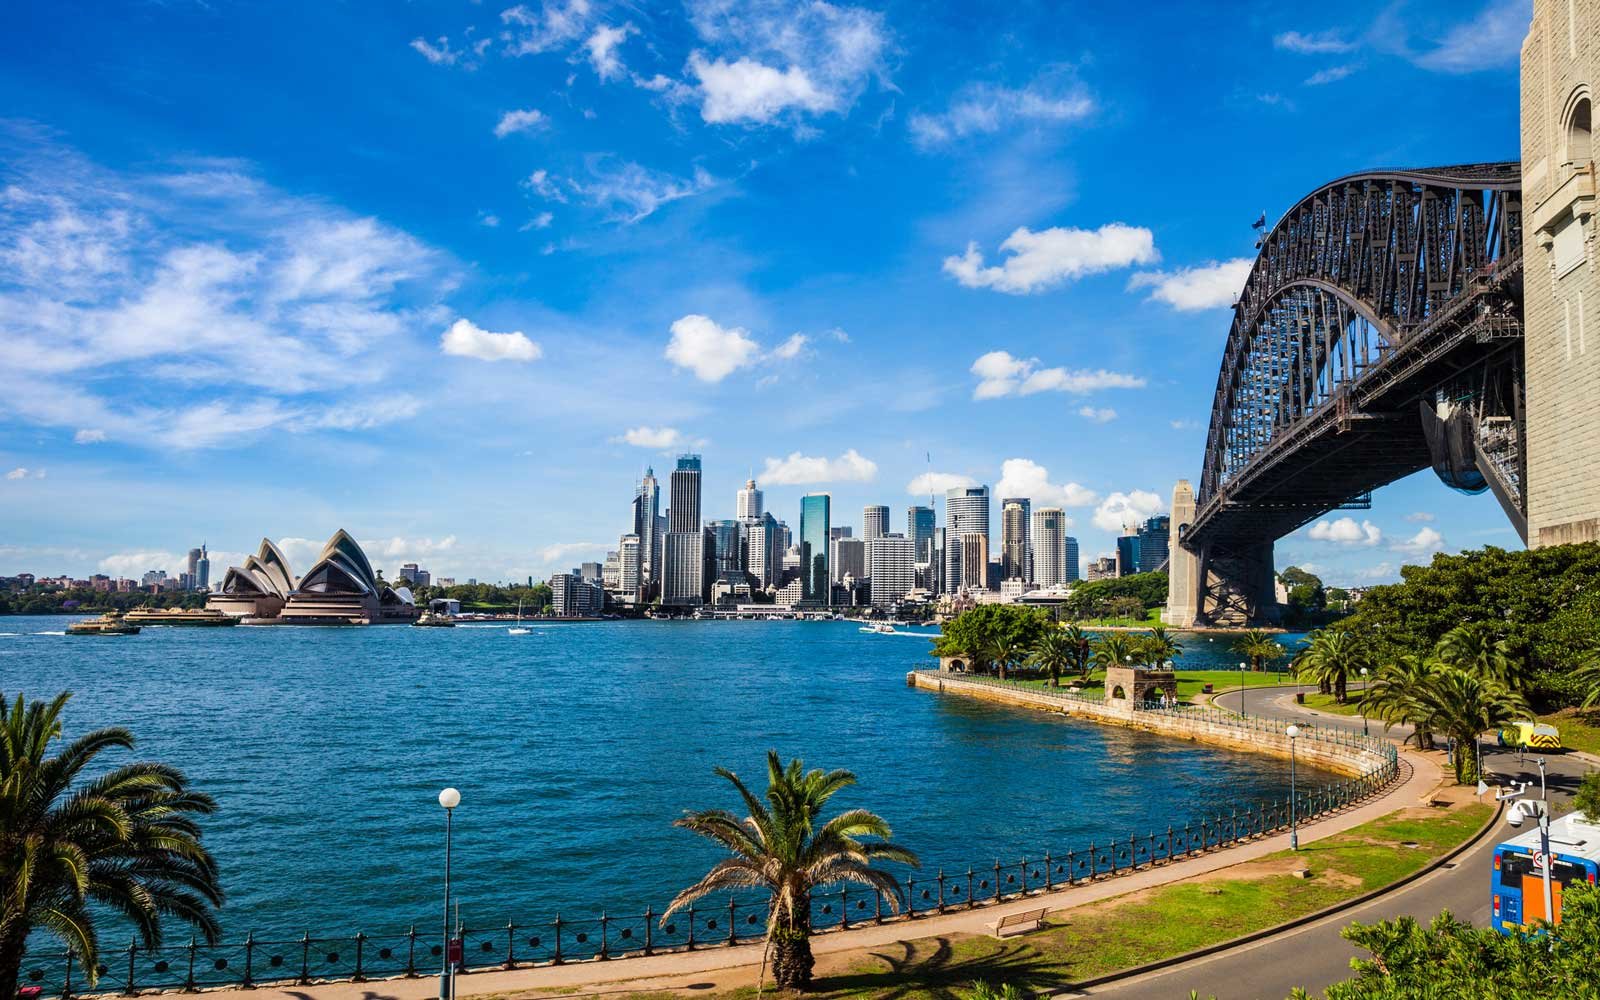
<point>1517,883</point>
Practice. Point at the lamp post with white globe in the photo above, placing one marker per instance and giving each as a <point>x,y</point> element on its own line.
<point>449,798</point>
<point>1364,731</point>
<point>1293,732</point>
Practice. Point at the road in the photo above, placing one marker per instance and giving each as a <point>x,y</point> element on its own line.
<point>1315,956</point>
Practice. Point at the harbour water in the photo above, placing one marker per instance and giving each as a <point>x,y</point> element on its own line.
<point>575,747</point>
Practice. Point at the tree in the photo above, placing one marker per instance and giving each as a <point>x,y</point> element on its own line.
<point>974,633</point>
<point>1258,647</point>
<point>1587,799</point>
<point>1452,960</point>
<point>1158,647</point>
<point>1093,599</point>
<point>1080,646</point>
<point>780,848</point>
<point>75,847</point>
<point>1395,694</point>
<point>1587,677</point>
<point>1002,652</point>
<point>1330,657</point>
<point>1476,649</point>
<point>1463,705</point>
<point>1054,652</point>
<point>1112,650</point>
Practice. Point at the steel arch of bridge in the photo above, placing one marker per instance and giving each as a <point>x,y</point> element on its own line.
<point>1367,298</point>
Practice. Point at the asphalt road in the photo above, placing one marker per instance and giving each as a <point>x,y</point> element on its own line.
<point>1315,956</point>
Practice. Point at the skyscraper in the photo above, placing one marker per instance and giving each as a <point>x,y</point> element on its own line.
<point>891,563</point>
<point>684,581</point>
<point>919,528</point>
<point>1014,514</point>
<point>646,515</point>
<point>628,573</point>
<point>1070,545</point>
<point>764,547</point>
<point>747,506</point>
<point>838,531</point>
<point>729,552</point>
<point>847,556</point>
<point>203,570</point>
<point>874,521</point>
<point>1153,541</point>
<point>816,586</point>
<point>975,560</point>
<point>1127,555</point>
<point>1050,547</point>
<point>966,509</point>
<point>191,577</point>
<point>952,562</point>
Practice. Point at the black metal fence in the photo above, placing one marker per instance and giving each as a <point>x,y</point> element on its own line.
<point>358,957</point>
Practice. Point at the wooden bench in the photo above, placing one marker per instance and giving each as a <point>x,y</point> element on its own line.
<point>1020,922</point>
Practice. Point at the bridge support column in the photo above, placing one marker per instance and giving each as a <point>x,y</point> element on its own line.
<point>1238,585</point>
<point>1183,571</point>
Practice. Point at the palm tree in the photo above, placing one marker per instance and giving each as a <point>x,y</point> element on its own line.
<point>1330,658</point>
<point>780,848</point>
<point>1462,705</point>
<point>1587,676</point>
<point>1395,694</point>
<point>1474,649</point>
<point>75,847</point>
<point>1053,652</point>
<point>1112,650</point>
<point>1258,646</point>
<point>1003,652</point>
<point>1080,645</point>
<point>1159,646</point>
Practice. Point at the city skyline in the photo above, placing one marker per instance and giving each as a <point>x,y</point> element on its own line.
<point>417,319</point>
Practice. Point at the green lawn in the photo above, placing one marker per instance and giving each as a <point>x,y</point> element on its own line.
<point>1151,617</point>
<point>1143,927</point>
<point>1190,682</point>
<point>1325,703</point>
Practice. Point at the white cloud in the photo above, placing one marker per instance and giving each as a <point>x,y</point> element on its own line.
<point>791,348</point>
<point>650,437</point>
<point>1382,571</point>
<point>930,483</point>
<point>1421,516</point>
<point>439,53</point>
<point>398,547</point>
<point>748,91</point>
<point>489,220</point>
<point>18,473</point>
<point>765,62</point>
<point>1314,43</point>
<point>1001,374</point>
<point>564,551</point>
<point>711,351</point>
<point>1425,542</point>
<point>1207,286</point>
<point>140,561</point>
<point>1021,477</point>
<point>89,435</point>
<point>1345,531</point>
<point>1100,415</point>
<point>1120,511</point>
<point>631,191</point>
<point>602,46</point>
<point>1489,41</point>
<point>524,120</point>
<point>1183,425</point>
<point>541,183</point>
<point>802,470</point>
<point>983,108</point>
<point>540,221</point>
<point>1041,260</point>
<point>1333,74</point>
<point>556,24</point>
<point>466,339</point>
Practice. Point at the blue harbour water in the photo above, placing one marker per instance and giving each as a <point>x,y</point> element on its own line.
<point>574,749</point>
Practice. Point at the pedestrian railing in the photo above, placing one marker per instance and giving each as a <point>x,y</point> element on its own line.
<point>255,961</point>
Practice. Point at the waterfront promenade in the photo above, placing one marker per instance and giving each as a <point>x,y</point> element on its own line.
<point>722,968</point>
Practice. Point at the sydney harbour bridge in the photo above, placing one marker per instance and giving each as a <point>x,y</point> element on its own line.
<point>1380,332</point>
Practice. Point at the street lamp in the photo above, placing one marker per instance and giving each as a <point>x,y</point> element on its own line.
<point>1535,809</point>
<point>449,798</point>
<point>1293,732</point>
<point>1241,688</point>
<point>1364,731</point>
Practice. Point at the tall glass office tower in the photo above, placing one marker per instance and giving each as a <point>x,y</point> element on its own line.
<point>919,528</point>
<point>815,583</point>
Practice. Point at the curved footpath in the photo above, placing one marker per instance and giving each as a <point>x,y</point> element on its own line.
<point>723,968</point>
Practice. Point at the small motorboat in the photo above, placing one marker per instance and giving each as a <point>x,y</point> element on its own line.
<point>881,628</point>
<point>433,619</point>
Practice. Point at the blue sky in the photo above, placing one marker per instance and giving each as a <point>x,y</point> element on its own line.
<point>451,274</point>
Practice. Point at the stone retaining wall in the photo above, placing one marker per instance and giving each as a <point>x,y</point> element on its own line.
<point>1331,749</point>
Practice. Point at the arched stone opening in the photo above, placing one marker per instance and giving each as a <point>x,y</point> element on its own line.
<point>1580,129</point>
<point>1118,693</point>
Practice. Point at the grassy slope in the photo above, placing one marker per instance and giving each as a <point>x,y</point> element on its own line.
<point>1146,926</point>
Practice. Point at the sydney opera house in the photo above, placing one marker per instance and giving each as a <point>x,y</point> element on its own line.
<point>339,589</point>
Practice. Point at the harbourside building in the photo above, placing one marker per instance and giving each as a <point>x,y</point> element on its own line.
<point>1103,568</point>
<point>975,560</point>
<point>341,589</point>
<point>1014,547</point>
<point>685,580</point>
<point>847,557</point>
<point>764,550</point>
<point>1049,547</point>
<point>647,527</point>
<point>1154,535</point>
<point>748,505</point>
<point>892,568</point>
<point>919,528</point>
<point>728,551</point>
<point>966,510</point>
<point>1128,555</point>
<point>259,588</point>
<point>952,562</point>
<point>874,522</point>
<point>574,596</point>
<point>816,583</point>
<point>628,569</point>
<point>1071,547</point>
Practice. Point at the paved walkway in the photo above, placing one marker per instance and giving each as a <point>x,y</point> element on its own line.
<point>725,967</point>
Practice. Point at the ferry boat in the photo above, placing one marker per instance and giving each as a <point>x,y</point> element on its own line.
<point>433,619</point>
<point>183,617</point>
<point>110,623</point>
<point>881,628</point>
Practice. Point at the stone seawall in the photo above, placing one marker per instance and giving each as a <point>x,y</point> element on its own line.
<point>1332,750</point>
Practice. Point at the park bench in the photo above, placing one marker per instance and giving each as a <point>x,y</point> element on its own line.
<point>1020,922</point>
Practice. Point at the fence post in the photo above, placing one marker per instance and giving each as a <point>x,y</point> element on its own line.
<point>999,892</point>
<point>305,958</point>
<point>733,924</point>
<point>605,937</point>
<point>511,944</point>
<point>690,910</point>
<point>411,952</point>
<point>133,944</point>
<point>940,880</point>
<point>970,902</point>
<point>66,983</point>
<point>188,983</point>
<point>556,958</point>
<point>1094,861</point>
<point>361,948</point>
<point>249,961</point>
<point>649,926</point>
<point>1049,882</point>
